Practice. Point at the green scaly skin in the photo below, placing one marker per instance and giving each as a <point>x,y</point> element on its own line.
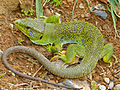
<point>52,33</point>
<point>86,38</point>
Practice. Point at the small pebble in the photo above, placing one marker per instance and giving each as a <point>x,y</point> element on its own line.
<point>87,15</point>
<point>77,84</point>
<point>111,85</point>
<point>115,70</point>
<point>51,76</point>
<point>29,73</point>
<point>47,78</point>
<point>11,26</point>
<point>57,14</point>
<point>107,80</point>
<point>117,87</point>
<point>102,87</point>
<point>98,9</point>
<point>82,15</point>
<point>81,5</point>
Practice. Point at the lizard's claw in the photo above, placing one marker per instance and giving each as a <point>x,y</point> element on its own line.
<point>63,65</point>
<point>108,61</point>
<point>54,57</point>
<point>61,56</point>
<point>58,53</point>
<point>116,61</point>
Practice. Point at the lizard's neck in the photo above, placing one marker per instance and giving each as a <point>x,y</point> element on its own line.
<point>49,34</point>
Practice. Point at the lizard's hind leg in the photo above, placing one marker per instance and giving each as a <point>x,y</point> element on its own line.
<point>107,53</point>
<point>72,50</point>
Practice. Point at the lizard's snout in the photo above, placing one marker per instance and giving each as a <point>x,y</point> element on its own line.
<point>17,21</point>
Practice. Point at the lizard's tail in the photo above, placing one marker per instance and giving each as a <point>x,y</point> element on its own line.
<point>33,53</point>
<point>85,67</point>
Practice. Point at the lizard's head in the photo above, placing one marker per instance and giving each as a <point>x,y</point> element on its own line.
<point>32,28</point>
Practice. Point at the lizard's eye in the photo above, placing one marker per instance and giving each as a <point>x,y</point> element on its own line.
<point>41,37</point>
<point>27,27</point>
<point>53,44</point>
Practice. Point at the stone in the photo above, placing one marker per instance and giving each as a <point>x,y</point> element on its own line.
<point>102,87</point>
<point>117,87</point>
<point>81,5</point>
<point>111,85</point>
<point>82,85</point>
<point>107,80</point>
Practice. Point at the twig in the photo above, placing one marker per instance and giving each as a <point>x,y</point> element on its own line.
<point>20,1</point>
<point>44,3</point>
<point>116,34</point>
<point>37,71</point>
<point>20,84</point>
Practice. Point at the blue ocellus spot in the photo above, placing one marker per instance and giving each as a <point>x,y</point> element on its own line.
<point>73,36</point>
<point>61,38</point>
<point>69,37</point>
<point>31,34</point>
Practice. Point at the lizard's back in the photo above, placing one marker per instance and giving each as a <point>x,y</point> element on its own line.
<point>79,32</point>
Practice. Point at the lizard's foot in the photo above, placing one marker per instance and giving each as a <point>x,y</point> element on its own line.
<point>108,61</point>
<point>63,65</point>
<point>61,56</point>
<point>116,61</point>
<point>54,58</point>
<point>107,53</point>
<point>110,64</point>
<point>57,57</point>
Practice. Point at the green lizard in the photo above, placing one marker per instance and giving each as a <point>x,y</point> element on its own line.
<point>87,41</point>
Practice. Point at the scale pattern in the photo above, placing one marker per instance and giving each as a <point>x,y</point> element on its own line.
<point>79,32</point>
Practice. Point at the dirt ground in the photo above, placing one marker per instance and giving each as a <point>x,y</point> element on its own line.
<point>9,36</point>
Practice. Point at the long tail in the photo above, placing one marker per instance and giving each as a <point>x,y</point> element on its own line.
<point>85,67</point>
<point>33,53</point>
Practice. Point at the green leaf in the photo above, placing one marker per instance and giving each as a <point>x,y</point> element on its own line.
<point>2,75</point>
<point>113,5</point>
<point>118,3</point>
<point>57,2</point>
<point>108,8</point>
<point>112,13</point>
<point>42,75</point>
<point>74,8</point>
<point>88,4</point>
<point>39,9</point>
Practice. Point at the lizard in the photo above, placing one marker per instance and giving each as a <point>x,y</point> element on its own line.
<point>86,39</point>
